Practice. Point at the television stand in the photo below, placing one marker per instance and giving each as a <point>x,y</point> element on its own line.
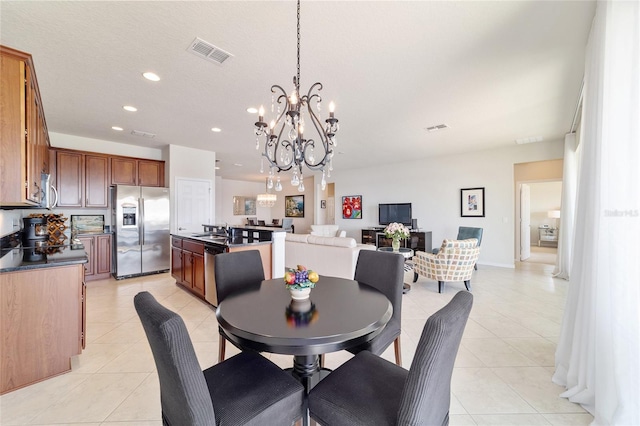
<point>417,241</point>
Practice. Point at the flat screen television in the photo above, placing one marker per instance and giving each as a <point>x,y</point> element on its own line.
<point>398,212</point>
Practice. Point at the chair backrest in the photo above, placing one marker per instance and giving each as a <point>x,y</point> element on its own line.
<point>426,394</point>
<point>465,232</point>
<point>275,221</point>
<point>184,395</point>
<point>383,271</point>
<point>261,223</point>
<point>251,221</point>
<point>237,271</point>
<point>454,261</point>
<point>286,223</point>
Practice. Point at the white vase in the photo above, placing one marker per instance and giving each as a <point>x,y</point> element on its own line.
<point>300,294</point>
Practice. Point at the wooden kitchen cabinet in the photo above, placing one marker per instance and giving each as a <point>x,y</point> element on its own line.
<point>24,139</point>
<point>187,264</point>
<point>42,323</point>
<point>98,249</point>
<point>132,171</point>
<point>82,179</point>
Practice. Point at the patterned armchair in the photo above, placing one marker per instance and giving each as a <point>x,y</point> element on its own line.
<point>453,262</point>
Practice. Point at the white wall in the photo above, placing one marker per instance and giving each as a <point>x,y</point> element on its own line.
<point>232,188</point>
<point>433,187</point>
<point>544,196</point>
<point>191,163</point>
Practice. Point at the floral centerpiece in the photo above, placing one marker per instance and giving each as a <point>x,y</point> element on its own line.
<point>300,281</point>
<point>396,231</point>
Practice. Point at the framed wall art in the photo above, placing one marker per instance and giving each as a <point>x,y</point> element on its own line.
<point>323,204</point>
<point>294,206</point>
<point>472,202</point>
<point>244,205</point>
<point>352,207</point>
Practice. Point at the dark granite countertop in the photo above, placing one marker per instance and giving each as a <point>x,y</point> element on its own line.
<point>221,240</point>
<point>19,258</point>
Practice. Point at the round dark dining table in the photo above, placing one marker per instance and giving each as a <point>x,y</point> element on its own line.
<point>342,313</point>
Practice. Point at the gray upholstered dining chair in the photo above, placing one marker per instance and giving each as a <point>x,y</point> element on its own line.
<point>238,391</point>
<point>235,272</point>
<point>383,271</point>
<point>369,390</point>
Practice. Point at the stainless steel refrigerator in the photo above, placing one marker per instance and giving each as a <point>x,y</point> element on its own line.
<point>140,215</point>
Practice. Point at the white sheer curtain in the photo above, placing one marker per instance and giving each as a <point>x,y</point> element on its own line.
<point>598,354</point>
<point>567,207</point>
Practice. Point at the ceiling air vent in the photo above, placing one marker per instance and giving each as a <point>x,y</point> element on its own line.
<point>143,134</point>
<point>436,128</point>
<point>208,51</point>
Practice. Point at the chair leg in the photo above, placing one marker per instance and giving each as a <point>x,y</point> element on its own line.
<point>467,284</point>
<point>221,347</point>
<point>440,286</point>
<point>415,277</point>
<point>396,346</point>
<point>321,360</point>
<point>475,266</point>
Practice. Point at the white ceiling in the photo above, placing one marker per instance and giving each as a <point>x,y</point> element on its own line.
<point>493,71</point>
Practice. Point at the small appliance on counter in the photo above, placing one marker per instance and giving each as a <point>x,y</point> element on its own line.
<point>35,232</point>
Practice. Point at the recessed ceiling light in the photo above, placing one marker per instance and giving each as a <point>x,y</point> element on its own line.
<point>117,128</point>
<point>130,108</point>
<point>151,76</point>
<point>237,164</point>
<point>217,168</point>
<point>216,129</point>
<point>252,110</point>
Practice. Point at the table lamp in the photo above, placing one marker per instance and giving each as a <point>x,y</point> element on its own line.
<point>555,215</point>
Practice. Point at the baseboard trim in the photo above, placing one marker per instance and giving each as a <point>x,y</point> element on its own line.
<point>499,265</point>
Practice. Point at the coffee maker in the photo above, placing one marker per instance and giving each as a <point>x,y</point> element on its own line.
<point>35,232</point>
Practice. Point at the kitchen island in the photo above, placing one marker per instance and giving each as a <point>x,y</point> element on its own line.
<point>42,314</point>
<point>192,255</point>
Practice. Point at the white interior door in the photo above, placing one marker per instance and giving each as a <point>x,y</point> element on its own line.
<point>525,221</point>
<point>193,204</point>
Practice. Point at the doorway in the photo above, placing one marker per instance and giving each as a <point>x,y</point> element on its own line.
<point>193,204</point>
<point>539,205</point>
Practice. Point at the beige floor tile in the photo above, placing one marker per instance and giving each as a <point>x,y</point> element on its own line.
<point>137,358</point>
<point>143,404</point>
<point>473,330</point>
<point>21,406</point>
<point>97,355</point>
<point>126,332</point>
<point>135,423</point>
<point>535,386</point>
<point>539,325</point>
<point>480,391</point>
<point>509,419</point>
<point>460,420</point>
<point>579,419</point>
<point>540,350</point>
<point>93,399</point>
<point>502,328</point>
<point>496,353</point>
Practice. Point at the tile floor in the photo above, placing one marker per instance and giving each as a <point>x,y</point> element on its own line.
<point>502,374</point>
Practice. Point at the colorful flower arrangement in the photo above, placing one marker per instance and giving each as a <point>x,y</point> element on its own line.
<point>397,231</point>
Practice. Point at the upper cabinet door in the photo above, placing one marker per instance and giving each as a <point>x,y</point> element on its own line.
<point>150,173</point>
<point>96,181</point>
<point>123,171</point>
<point>69,177</point>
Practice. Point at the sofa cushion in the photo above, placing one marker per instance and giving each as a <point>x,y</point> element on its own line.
<point>324,230</point>
<point>296,238</point>
<point>332,241</point>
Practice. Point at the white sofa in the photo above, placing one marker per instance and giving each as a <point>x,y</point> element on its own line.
<point>332,256</point>
<point>324,230</point>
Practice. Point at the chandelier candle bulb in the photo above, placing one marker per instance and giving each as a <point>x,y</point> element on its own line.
<point>261,114</point>
<point>332,108</point>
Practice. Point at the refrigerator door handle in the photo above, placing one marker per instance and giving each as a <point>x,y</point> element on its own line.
<point>141,205</point>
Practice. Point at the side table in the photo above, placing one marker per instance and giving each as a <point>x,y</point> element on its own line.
<point>407,253</point>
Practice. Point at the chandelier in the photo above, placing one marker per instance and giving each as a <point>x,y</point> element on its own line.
<point>285,145</point>
<point>266,200</point>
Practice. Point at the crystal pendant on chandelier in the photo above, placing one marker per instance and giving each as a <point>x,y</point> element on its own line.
<point>278,185</point>
<point>283,142</point>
